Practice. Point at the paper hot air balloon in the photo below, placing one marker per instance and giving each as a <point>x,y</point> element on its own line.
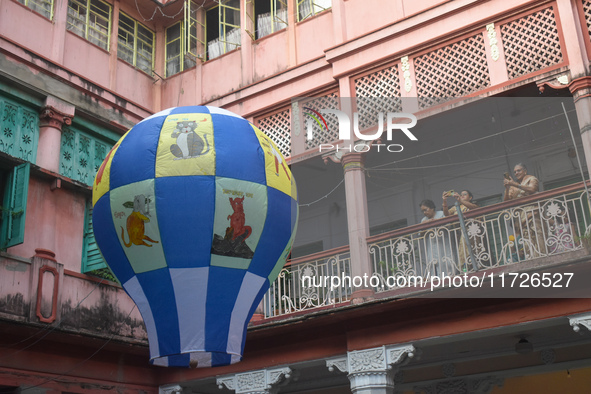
<point>195,212</point>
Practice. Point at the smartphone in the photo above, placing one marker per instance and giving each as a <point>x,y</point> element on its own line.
<point>507,176</point>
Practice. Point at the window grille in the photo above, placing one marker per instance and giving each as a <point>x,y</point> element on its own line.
<point>452,71</point>
<point>531,43</point>
<point>90,19</point>
<point>223,35</point>
<point>44,7</point>
<point>309,8</point>
<point>278,128</point>
<point>270,15</point>
<point>135,43</point>
<point>174,58</point>
<point>194,34</point>
<point>179,57</point>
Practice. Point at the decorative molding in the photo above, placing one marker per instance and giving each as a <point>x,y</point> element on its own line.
<point>251,381</point>
<point>580,320</point>
<point>400,355</point>
<point>406,73</point>
<point>228,381</point>
<point>295,117</point>
<point>548,356</point>
<point>492,41</point>
<point>448,370</point>
<point>256,382</point>
<point>557,82</point>
<point>379,359</point>
<point>563,79</point>
<point>461,386</point>
<point>338,363</point>
<point>367,360</point>
<point>54,294</point>
<point>51,117</point>
<point>170,389</point>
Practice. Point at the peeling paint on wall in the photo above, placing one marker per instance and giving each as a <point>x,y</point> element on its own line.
<point>16,266</point>
<point>104,317</point>
<point>14,304</point>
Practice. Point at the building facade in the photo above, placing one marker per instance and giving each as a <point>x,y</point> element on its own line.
<point>490,85</point>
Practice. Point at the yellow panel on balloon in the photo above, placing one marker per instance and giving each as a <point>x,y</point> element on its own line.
<point>186,146</point>
<point>276,169</point>
<point>102,179</point>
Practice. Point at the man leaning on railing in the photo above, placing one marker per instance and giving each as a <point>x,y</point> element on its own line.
<point>529,227</point>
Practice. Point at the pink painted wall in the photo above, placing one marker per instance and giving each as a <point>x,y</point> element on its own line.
<point>134,85</point>
<point>86,59</point>
<point>180,89</point>
<point>221,75</point>
<point>271,55</point>
<point>313,36</point>
<point>362,17</point>
<point>35,34</point>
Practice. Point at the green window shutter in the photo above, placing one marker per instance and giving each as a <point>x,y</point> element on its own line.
<point>15,206</point>
<point>92,259</point>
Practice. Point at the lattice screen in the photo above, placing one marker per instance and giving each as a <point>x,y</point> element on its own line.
<point>587,11</point>
<point>321,136</point>
<point>278,128</point>
<point>19,130</point>
<point>452,71</point>
<point>377,92</point>
<point>531,43</point>
<point>81,155</point>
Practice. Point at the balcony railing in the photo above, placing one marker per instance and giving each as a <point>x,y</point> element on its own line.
<point>301,283</point>
<point>545,224</point>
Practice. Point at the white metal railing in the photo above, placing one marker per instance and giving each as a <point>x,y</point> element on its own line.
<point>545,224</point>
<point>294,292</point>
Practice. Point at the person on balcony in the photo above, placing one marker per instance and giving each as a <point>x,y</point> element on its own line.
<point>465,198</point>
<point>436,249</point>
<point>530,225</point>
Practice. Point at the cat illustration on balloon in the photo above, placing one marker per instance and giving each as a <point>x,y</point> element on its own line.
<point>189,144</point>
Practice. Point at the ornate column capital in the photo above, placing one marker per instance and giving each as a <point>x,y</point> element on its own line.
<point>263,381</point>
<point>580,87</point>
<point>51,117</point>
<point>372,368</point>
<point>577,321</point>
<point>170,389</point>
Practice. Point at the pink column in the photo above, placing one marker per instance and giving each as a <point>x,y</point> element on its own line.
<point>581,90</point>
<point>53,116</point>
<point>357,222</point>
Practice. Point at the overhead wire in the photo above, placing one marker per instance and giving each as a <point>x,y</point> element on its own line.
<point>48,331</point>
<point>76,366</point>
